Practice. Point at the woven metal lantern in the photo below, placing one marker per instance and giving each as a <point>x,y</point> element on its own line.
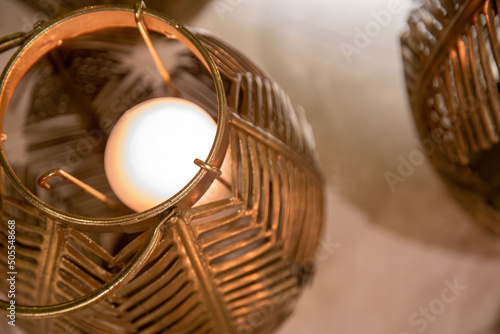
<point>231,265</point>
<point>451,56</point>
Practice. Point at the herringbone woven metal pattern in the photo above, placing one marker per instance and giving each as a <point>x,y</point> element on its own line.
<point>451,57</point>
<point>232,266</point>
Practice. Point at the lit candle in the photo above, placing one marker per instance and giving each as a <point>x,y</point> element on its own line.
<point>150,152</point>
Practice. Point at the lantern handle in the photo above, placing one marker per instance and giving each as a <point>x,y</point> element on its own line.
<point>16,39</point>
<point>13,40</point>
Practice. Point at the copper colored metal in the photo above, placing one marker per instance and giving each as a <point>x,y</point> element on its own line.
<point>451,57</point>
<point>44,178</point>
<point>180,267</point>
<point>181,9</point>
<point>152,50</point>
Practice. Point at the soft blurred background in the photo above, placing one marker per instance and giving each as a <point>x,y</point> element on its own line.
<point>404,259</point>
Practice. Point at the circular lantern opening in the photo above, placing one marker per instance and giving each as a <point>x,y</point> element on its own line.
<point>65,92</point>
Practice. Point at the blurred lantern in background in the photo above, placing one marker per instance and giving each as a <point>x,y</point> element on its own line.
<point>231,249</point>
<point>451,56</point>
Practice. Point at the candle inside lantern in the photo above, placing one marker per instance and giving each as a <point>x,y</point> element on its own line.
<point>150,152</point>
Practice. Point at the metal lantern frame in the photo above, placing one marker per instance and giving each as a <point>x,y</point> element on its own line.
<point>220,262</point>
<point>451,55</point>
<point>85,21</point>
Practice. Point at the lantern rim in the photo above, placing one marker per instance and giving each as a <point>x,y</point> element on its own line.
<point>92,19</point>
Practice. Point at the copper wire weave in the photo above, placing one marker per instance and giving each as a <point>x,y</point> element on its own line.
<point>233,266</point>
<point>451,58</point>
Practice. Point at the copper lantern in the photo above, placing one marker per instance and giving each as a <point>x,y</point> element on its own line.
<point>235,264</point>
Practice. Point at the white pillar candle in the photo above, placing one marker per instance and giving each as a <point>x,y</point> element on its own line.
<point>150,152</point>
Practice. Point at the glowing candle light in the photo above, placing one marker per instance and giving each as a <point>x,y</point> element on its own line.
<point>150,152</point>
